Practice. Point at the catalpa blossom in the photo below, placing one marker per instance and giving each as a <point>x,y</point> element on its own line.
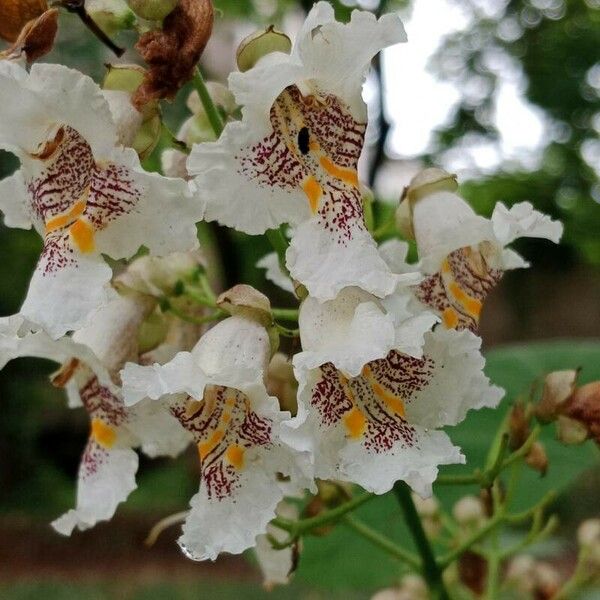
<point>91,360</point>
<point>375,384</point>
<point>85,195</point>
<point>464,254</point>
<point>293,157</point>
<point>218,394</point>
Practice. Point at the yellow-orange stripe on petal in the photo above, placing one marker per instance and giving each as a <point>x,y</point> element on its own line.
<point>393,402</point>
<point>103,434</point>
<point>235,456</point>
<point>205,448</point>
<point>349,176</point>
<point>61,220</point>
<point>450,318</point>
<point>313,192</point>
<point>471,305</point>
<point>355,422</point>
<point>82,233</point>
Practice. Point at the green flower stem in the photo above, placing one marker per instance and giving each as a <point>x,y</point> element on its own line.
<point>381,541</point>
<point>498,518</point>
<point>486,476</point>
<point>216,122</point>
<point>431,570</point>
<point>285,314</point>
<point>297,528</point>
<point>286,332</point>
<point>216,316</point>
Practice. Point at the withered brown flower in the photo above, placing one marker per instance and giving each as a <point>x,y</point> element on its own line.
<point>36,38</point>
<point>173,51</point>
<point>14,14</point>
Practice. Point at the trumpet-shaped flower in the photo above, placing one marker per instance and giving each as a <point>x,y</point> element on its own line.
<point>218,394</point>
<point>85,195</point>
<point>90,360</point>
<point>293,157</point>
<point>374,384</point>
<point>464,254</point>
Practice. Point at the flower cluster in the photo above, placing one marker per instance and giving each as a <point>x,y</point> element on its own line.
<point>389,349</point>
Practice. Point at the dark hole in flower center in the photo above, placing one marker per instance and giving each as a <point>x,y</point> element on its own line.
<point>303,140</point>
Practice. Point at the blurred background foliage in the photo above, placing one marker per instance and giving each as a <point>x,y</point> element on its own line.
<point>554,45</point>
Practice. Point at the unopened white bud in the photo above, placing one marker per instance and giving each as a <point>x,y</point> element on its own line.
<point>469,510</point>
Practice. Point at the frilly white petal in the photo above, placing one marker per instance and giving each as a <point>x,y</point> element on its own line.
<point>457,384</point>
<point>337,56</point>
<point>233,200</point>
<point>159,433</point>
<point>325,267</point>
<point>17,339</point>
<point>234,353</point>
<point>348,331</point>
<point>274,272</point>
<point>13,201</point>
<point>100,492</point>
<point>444,222</point>
<point>522,220</point>
<point>34,102</point>
<point>164,219</point>
<point>63,300</point>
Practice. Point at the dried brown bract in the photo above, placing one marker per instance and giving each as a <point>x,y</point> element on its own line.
<point>36,38</point>
<point>15,14</point>
<point>173,52</point>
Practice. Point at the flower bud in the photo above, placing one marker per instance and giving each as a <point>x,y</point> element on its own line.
<point>111,16</point>
<point>558,386</point>
<point>246,301</point>
<point>15,14</point>
<point>518,426</point>
<point>429,181</point>
<point>469,510</point>
<point>158,276</point>
<point>138,129</point>
<point>537,458</point>
<point>152,332</point>
<point>282,383</point>
<point>429,511</point>
<point>570,432</point>
<point>588,533</point>
<point>259,44</point>
<point>520,573</point>
<point>152,10</point>
<point>36,38</point>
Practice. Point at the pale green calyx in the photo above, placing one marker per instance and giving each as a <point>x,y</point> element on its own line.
<point>152,10</point>
<point>259,44</point>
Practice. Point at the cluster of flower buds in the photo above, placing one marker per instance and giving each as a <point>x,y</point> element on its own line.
<point>574,408</point>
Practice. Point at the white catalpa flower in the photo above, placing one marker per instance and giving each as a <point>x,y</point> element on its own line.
<point>85,195</point>
<point>293,157</point>
<point>464,254</point>
<point>375,383</point>
<point>90,360</point>
<point>218,394</point>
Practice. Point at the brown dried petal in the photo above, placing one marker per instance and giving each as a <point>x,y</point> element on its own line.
<point>472,571</point>
<point>173,52</point>
<point>584,406</point>
<point>15,14</point>
<point>36,38</point>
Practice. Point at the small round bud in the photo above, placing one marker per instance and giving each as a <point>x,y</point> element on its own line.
<point>244,300</point>
<point>111,16</point>
<point>426,507</point>
<point>588,533</point>
<point>469,510</point>
<point>570,432</point>
<point>537,458</point>
<point>429,181</point>
<point>558,386</point>
<point>152,10</point>
<point>259,44</point>
<point>123,77</point>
